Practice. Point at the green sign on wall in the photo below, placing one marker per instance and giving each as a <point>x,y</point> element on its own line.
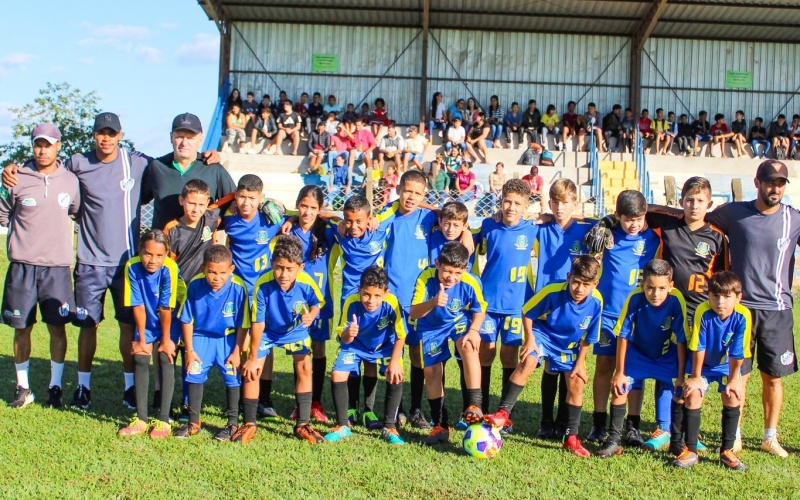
<point>324,63</point>
<point>739,80</point>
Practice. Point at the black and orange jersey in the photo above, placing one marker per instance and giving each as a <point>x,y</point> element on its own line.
<point>188,244</point>
<point>694,255</point>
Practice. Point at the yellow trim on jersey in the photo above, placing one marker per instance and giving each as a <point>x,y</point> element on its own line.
<point>387,212</point>
<point>263,279</point>
<point>420,290</point>
<point>246,320</point>
<point>704,308</point>
<point>126,286</point>
<point>597,295</point>
<point>624,312</point>
<point>343,316</point>
<point>472,281</point>
<point>748,328</point>
<point>399,324</point>
<point>305,278</point>
<point>544,292</point>
<point>174,278</point>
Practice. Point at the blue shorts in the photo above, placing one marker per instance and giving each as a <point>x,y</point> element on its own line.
<point>151,336</point>
<point>712,375</point>
<point>349,359</point>
<point>558,362</point>
<point>703,137</point>
<point>640,368</point>
<point>507,326</point>
<point>607,345</point>
<point>414,156</point>
<point>412,335</point>
<point>320,330</point>
<point>213,351</point>
<point>435,346</point>
<point>91,284</point>
<point>302,346</point>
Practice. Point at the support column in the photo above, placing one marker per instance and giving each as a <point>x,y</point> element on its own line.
<point>635,78</point>
<point>224,55</point>
<point>423,90</point>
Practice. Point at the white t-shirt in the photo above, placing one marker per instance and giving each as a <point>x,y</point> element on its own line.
<point>440,111</point>
<point>416,144</point>
<point>455,134</point>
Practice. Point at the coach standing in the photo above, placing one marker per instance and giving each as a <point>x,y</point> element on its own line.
<point>762,236</point>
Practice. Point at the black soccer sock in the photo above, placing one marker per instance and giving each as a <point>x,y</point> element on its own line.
<point>573,419</point>
<point>634,420</point>
<point>417,381</point>
<point>599,419</point>
<point>394,394</point>
<point>692,422</point>
<point>195,402</point>
<point>486,383</point>
<point>167,386</point>
<point>549,388</point>
<point>510,396</point>
<point>232,395</point>
<point>303,402</point>
<point>318,367</point>
<point>141,382</point>
<point>438,412</point>
<point>473,397</point>
<point>617,421</point>
<point>184,384</point>
<point>265,392</point>
<point>339,392</point>
<point>730,420</point>
<point>676,425</point>
<point>353,390</point>
<point>370,389</point>
<point>249,406</point>
<point>506,379</point>
<point>561,413</point>
<point>464,397</point>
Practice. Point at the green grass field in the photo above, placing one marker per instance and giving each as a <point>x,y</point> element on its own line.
<point>77,454</point>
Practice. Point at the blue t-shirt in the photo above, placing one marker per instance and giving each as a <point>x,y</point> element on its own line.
<point>651,331</point>
<point>153,291</point>
<point>438,241</point>
<point>319,267</point>
<point>249,242</point>
<point>721,340</point>
<point>216,314</point>
<point>358,254</point>
<point>377,330</point>
<point>555,248</point>
<point>464,297</point>
<point>281,310</point>
<point>508,255</point>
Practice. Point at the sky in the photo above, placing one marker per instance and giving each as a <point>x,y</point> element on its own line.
<point>147,60</point>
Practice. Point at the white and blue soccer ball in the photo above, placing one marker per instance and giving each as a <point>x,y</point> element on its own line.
<point>482,441</point>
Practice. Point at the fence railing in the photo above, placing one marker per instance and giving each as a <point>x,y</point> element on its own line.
<point>641,168</point>
<point>215,126</point>
<point>597,186</point>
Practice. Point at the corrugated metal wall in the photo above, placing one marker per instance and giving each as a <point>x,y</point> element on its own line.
<point>695,69</point>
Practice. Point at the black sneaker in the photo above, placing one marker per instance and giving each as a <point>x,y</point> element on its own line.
<point>419,421</point>
<point>22,398</point>
<point>633,437</point>
<point>81,398</point>
<point>55,398</point>
<point>226,434</point>
<point>597,435</point>
<point>155,406</point>
<point>129,398</point>
<point>187,430</point>
<point>545,430</point>
<point>609,449</point>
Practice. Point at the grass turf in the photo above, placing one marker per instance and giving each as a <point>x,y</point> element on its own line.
<point>71,454</point>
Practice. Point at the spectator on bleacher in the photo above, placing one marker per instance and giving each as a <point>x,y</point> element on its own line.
<point>264,104</point>
<point>685,136</point>
<point>331,123</point>
<point>778,134</point>
<point>496,181</point>
<point>758,136</point>
<point>672,134</point>
<point>495,116</point>
<point>549,122</point>
<point>659,127</point>
<point>456,136</point>
<point>316,112</point>
<point>350,117</point>
<point>288,127</point>
<point>415,147</point>
<point>645,130</point>
<point>264,127</point>
<point>531,121</point>
<point>342,142</point>
<point>471,113</point>
<point>612,127</point>
<point>794,135</point>
<point>250,108</point>
<point>628,131</point>
<point>234,98</point>
<point>301,108</point>
<point>452,164</point>
<point>365,113</point>
<point>379,119</point>
<point>319,142</point>
<point>332,106</point>
<point>536,183</point>
<point>702,131</point>
<point>569,125</point>
<point>437,116</point>
<point>364,146</point>
<point>391,148</point>
<point>513,126</point>
<point>438,182</point>
<point>719,134</point>
<point>739,129</point>
<point>277,106</point>
<point>339,184</point>
<point>391,178</point>
<point>235,124</point>
<point>479,137</point>
<point>456,110</point>
<point>591,124</point>
<point>465,183</point>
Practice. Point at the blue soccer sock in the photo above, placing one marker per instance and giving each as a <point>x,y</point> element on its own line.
<point>663,395</point>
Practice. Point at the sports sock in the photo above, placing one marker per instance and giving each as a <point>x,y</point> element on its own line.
<point>770,433</point>
<point>85,379</point>
<point>510,396</point>
<point>676,424</point>
<point>549,388</point>
<point>303,402</point>
<point>561,414</point>
<point>506,379</point>
<point>486,382</point>
<point>473,397</point>
<point>339,392</point>
<point>129,379</point>
<point>22,374</point>
<point>417,380</point>
<point>394,393</point>
<point>250,406</point>
<point>195,402</point>
<point>370,389</point>
<point>184,383</point>
<point>167,386</point>
<point>739,429</point>
<point>141,376</point>
<point>56,372</point>
<point>573,419</point>
<point>634,420</point>
<point>692,423</point>
<point>464,397</point>
<point>730,419</point>
<point>617,421</point>
<point>599,419</point>
<point>318,366</point>
<point>438,412</point>
<point>265,392</point>
<point>663,405</point>
<point>354,389</point>
<point>232,395</point>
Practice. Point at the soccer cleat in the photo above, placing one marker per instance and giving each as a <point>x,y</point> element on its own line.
<point>293,416</point>
<point>658,439</point>
<point>160,430</point>
<point>245,433</point>
<point>402,419</point>
<point>352,416</point>
<point>55,398</point>
<point>573,445</point>
<point>419,421</point>
<point>226,434</point>
<point>497,419</point>
<point>82,398</point>
<point>135,427</point>
<point>371,421</point>
<point>22,398</point>
<point>633,437</point>
<point>338,433</point>
<point>129,398</point>
<point>610,448</point>
<point>729,459</point>
<point>701,448</point>
<point>155,406</point>
<point>318,413</point>
<point>597,435</point>
<point>266,412</point>
<point>187,430</point>
<point>391,436</point>
<point>437,435</point>
<point>307,433</point>
<point>772,446</point>
<point>508,428</point>
<point>545,430</point>
<point>473,415</point>
<point>685,459</point>
<point>462,425</point>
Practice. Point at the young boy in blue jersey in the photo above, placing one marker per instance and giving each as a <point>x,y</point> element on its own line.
<point>651,344</point>
<point>561,322</point>
<point>507,245</point>
<point>371,330</point>
<point>718,346</point>
<point>448,304</point>
<point>286,301</point>
<point>215,313</point>
<point>151,282</point>
<point>634,246</point>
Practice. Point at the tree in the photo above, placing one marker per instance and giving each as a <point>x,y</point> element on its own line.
<point>69,109</point>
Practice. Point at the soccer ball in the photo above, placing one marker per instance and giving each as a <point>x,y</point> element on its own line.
<point>482,441</point>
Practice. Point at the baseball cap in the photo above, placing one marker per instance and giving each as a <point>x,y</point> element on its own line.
<point>769,170</point>
<point>46,131</point>
<point>107,120</point>
<point>187,121</point>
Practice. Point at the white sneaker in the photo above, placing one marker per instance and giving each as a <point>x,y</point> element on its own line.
<point>772,446</point>
<point>267,152</point>
<point>670,153</point>
<point>251,151</point>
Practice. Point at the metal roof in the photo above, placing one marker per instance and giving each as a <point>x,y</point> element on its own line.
<point>750,20</point>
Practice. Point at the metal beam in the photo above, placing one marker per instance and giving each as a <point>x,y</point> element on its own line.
<point>423,83</point>
<point>638,39</point>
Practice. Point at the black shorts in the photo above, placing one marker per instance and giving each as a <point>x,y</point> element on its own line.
<point>91,283</point>
<point>772,343</point>
<point>28,285</point>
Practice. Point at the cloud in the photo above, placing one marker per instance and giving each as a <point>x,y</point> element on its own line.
<point>13,63</point>
<point>86,60</point>
<point>57,69</point>
<point>170,26</point>
<point>114,36</point>
<point>203,49</point>
<point>147,54</point>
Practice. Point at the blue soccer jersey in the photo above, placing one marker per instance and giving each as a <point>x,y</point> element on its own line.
<point>249,242</point>
<point>216,313</point>
<point>377,330</point>
<point>438,241</point>
<point>508,255</point>
<point>555,247</point>
<point>358,254</point>
<point>464,297</point>
<point>281,310</point>
<point>407,246</point>
<point>721,340</point>
<point>319,266</point>
<point>651,331</point>
<point>151,290</point>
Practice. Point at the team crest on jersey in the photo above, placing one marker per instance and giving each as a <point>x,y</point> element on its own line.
<point>127,184</point>
<point>434,349</point>
<point>488,326</point>
<point>703,249</point>
<point>638,248</point>
<point>299,307</point>
<point>63,200</point>
<point>228,310</point>
<point>667,324</point>
<point>374,248</point>
<point>783,244</point>
<point>383,322</point>
<point>419,233</point>
<point>207,234</point>
<point>575,249</point>
<point>787,358</point>
<point>349,358</point>
<point>454,305</point>
<point>604,340</point>
<point>585,322</point>
<point>29,202</point>
<point>521,243</point>
<point>726,339</point>
<point>262,238</point>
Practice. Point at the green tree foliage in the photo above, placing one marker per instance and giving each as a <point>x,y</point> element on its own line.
<point>67,107</point>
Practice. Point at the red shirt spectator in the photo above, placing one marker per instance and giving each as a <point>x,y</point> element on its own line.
<point>719,128</point>
<point>341,142</point>
<point>464,179</point>
<point>363,138</point>
<point>570,119</point>
<point>534,180</point>
<point>644,125</point>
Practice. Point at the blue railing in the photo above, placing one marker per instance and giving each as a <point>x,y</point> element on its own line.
<point>214,130</point>
<point>641,169</point>
<point>597,186</point>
